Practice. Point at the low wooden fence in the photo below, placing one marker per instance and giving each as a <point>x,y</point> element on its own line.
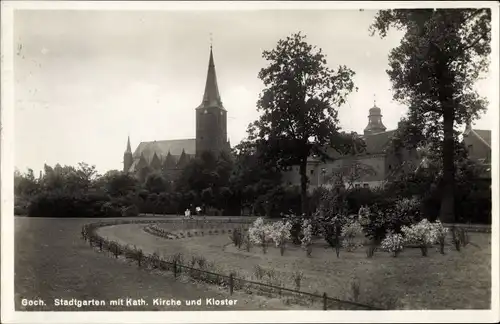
<point>230,281</point>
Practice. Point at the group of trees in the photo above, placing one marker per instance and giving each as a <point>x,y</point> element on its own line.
<point>442,54</point>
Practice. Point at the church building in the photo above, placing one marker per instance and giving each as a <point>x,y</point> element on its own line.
<point>173,155</point>
<point>376,157</point>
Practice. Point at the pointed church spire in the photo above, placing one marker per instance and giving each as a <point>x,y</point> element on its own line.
<point>128,160</point>
<point>181,163</point>
<point>129,149</point>
<point>156,162</point>
<point>211,97</point>
<point>169,162</point>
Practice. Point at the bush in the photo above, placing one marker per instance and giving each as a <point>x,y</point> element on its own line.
<point>280,233</point>
<point>306,239</point>
<point>210,211</point>
<point>393,242</point>
<point>422,234</point>
<point>130,211</point>
<point>236,237</point>
<point>260,233</point>
<point>108,209</point>
<point>20,210</point>
<point>390,216</point>
<point>62,204</point>
<point>296,229</point>
<point>350,232</point>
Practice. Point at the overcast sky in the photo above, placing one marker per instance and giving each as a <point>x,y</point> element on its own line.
<point>84,80</point>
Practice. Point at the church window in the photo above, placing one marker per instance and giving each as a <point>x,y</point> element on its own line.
<point>365,185</point>
<point>312,171</point>
<point>390,167</point>
<point>357,186</point>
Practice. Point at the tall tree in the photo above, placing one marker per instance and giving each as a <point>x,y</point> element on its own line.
<point>252,175</point>
<point>433,71</point>
<point>25,184</point>
<point>299,106</point>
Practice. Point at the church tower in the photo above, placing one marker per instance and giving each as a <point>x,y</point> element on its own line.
<point>211,116</point>
<point>127,157</point>
<point>374,121</point>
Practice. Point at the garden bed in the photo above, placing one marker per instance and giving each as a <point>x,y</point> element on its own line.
<point>454,280</point>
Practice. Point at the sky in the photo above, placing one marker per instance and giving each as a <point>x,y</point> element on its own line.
<point>85,80</point>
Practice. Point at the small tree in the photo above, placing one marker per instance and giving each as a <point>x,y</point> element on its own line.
<point>259,233</point>
<point>422,234</point>
<point>393,242</point>
<point>331,215</point>
<point>307,238</point>
<point>441,233</point>
<point>280,233</point>
<point>350,233</point>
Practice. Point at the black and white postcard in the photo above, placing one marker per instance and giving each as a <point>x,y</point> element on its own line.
<point>246,162</point>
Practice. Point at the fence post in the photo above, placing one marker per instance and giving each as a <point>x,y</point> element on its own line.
<point>175,269</point>
<point>100,245</point>
<point>231,283</point>
<point>324,301</point>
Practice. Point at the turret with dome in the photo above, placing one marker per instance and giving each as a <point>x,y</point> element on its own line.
<point>375,124</point>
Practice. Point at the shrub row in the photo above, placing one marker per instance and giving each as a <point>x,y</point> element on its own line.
<point>87,205</point>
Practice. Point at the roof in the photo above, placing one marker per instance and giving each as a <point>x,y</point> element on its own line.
<point>377,143</point>
<point>484,135</point>
<point>163,147</point>
<point>211,97</point>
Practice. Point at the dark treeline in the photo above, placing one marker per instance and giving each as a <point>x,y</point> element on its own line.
<point>231,184</point>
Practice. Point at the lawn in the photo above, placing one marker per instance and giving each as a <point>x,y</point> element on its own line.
<point>52,261</point>
<point>456,280</point>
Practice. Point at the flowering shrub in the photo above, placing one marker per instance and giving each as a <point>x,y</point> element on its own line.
<point>349,233</point>
<point>393,242</point>
<point>364,216</point>
<point>307,236</point>
<point>259,233</point>
<point>441,232</point>
<point>422,234</point>
<point>331,215</point>
<point>280,233</point>
<point>391,216</point>
<point>295,231</point>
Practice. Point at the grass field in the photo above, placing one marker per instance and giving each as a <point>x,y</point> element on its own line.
<point>456,280</point>
<point>52,261</point>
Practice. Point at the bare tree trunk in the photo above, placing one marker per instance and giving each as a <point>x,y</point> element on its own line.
<point>448,197</point>
<point>303,186</point>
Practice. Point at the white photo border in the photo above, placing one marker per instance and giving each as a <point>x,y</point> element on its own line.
<point>9,315</point>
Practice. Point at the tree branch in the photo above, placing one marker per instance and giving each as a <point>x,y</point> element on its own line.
<point>482,36</point>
